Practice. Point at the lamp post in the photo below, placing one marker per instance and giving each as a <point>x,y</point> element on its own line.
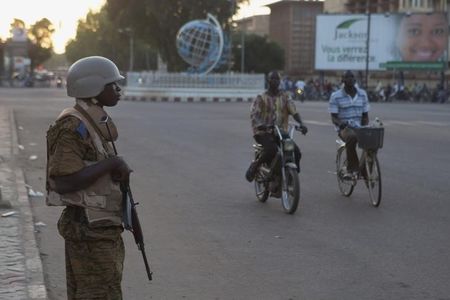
<point>131,52</point>
<point>129,32</point>
<point>366,83</point>
<point>242,51</point>
<point>368,6</point>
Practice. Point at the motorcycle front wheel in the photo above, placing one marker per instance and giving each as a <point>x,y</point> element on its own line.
<point>290,195</point>
<point>261,187</point>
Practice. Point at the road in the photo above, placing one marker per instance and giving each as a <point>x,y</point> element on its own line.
<point>208,237</point>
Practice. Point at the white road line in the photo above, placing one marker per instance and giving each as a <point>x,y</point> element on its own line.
<point>440,124</point>
<point>393,122</point>
<point>389,123</point>
<point>318,123</point>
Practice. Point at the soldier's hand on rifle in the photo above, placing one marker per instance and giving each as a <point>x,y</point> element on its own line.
<point>122,172</point>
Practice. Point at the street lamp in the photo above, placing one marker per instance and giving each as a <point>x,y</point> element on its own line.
<point>242,50</point>
<point>367,45</point>
<point>129,32</point>
<point>368,6</point>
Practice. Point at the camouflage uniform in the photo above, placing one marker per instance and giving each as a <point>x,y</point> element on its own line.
<point>94,256</point>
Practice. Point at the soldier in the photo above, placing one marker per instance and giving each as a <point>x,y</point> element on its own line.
<point>84,175</point>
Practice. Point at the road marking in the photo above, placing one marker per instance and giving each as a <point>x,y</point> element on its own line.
<point>318,123</point>
<point>416,123</point>
<point>388,123</point>
<point>440,124</point>
<point>393,122</point>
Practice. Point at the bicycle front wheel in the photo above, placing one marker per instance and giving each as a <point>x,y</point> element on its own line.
<point>345,186</point>
<point>373,181</point>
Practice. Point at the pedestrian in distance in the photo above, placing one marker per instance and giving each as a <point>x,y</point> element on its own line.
<point>84,175</point>
<point>271,108</point>
<point>349,108</point>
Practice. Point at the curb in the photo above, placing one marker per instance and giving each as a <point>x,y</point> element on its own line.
<point>33,265</point>
<point>186,99</point>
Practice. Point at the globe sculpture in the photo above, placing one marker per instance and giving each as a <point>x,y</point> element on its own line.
<point>200,43</point>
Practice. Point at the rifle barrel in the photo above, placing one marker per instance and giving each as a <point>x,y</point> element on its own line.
<point>147,267</point>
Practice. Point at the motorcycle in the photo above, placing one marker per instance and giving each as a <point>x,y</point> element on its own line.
<point>59,82</point>
<point>299,94</point>
<point>280,178</point>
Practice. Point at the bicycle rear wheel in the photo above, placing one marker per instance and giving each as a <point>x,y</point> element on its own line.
<point>345,186</point>
<point>373,181</point>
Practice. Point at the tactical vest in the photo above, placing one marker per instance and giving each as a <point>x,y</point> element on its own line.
<point>102,201</point>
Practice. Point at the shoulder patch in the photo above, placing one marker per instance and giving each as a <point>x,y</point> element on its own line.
<point>82,130</point>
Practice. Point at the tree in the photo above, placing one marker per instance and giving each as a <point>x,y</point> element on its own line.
<point>158,22</point>
<point>89,37</point>
<point>261,55</point>
<point>17,24</point>
<point>2,64</point>
<point>40,47</point>
<point>98,35</point>
<point>37,40</point>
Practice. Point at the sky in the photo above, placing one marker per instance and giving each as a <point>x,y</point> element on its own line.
<point>255,7</point>
<point>64,15</point>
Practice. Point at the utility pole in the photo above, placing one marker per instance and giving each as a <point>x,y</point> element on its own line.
<point>129,32</point>
<point>367,45</point>
<point>242,50</point>
<point>131,51</point>
<point>230,37</point>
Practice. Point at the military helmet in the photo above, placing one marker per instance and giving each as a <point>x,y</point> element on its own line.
<point>88,76</point>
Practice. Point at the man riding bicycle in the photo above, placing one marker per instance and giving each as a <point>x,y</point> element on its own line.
<point>349,108</point>
<point>269,109</point>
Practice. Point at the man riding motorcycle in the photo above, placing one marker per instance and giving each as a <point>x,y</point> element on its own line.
<point>269,109</point>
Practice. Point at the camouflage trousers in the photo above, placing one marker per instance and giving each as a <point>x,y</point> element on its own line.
<point>94,269</point>
<point>94,257</point>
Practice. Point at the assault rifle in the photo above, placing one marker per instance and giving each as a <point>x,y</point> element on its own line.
<point>130,216</point>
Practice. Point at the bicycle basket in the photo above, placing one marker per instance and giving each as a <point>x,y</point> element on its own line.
<point>370,138</point>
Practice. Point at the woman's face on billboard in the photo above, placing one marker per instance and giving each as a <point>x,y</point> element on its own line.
<point>423,37</point>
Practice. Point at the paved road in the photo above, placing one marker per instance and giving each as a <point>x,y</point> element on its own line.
<point>210,239</point>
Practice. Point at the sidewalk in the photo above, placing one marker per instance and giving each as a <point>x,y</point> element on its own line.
<point>21,274</point>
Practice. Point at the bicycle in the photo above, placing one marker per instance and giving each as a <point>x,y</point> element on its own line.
<point>370,139</point>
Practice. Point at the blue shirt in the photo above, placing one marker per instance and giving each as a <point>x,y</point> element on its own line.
<point>349,109</point>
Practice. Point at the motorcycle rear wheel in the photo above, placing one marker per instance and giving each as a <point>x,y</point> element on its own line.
<point>291,197</point>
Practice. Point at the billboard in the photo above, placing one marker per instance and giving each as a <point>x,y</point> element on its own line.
<point>397,41</point>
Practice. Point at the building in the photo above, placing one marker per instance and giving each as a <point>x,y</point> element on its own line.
<point>293,26</point>
<point>15,60</point>
<point>335,6</point>
<point>393,6</point>
<point>258,24</point>
<point>383,6</point>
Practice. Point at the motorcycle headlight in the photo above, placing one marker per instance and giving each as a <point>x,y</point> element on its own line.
<point>288,145</point>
